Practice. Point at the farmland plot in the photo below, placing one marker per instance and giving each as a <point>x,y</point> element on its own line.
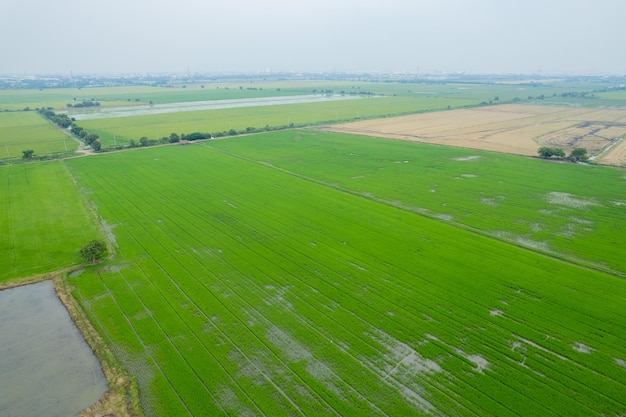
<point>43,222</point>
<point>120,130</point>
<point>28,130</point>
<point>570,211</point>
<point>241,289</point>
<point>516,129</point>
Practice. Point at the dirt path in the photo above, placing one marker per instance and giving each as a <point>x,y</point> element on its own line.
<point>81,145</point>
<point>81,151</point>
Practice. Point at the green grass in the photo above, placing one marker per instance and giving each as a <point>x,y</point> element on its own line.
<point>58,98</point>
<point>28,130</point>
<point>575,211</point>
<point>123,129</point>
<point>116,96</point>
<point>242,288</point>
<point>398,98</point>
<point>43,222</point>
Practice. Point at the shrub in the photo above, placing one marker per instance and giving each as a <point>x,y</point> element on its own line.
<point>92,251</point>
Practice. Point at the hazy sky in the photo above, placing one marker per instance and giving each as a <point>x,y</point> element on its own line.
<point>495,36</point>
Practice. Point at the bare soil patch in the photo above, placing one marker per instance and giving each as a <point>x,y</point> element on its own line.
<point>509,128</point>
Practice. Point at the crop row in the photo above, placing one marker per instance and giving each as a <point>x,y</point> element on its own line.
<point>43,222</point>
<point>573,211</point>
<point>278,268</point>
<point>27,130</point>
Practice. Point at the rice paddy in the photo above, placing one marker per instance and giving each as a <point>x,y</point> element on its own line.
<point>306,272</point>
<point>245,286</point>
<point>20,131</point>
<point>43,221</point>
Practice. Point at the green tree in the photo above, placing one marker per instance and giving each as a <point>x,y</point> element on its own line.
<point>92,251</point>
<point>174,138</point>
<point>96,145</point>
<point>579,154</point>
<point>546,152</point>
<point>91,138</point>
<point>28,154</point>
<point>143,141</point>
<point>77,129</point>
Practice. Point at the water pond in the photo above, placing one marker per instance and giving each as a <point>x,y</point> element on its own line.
<point>46,367</point>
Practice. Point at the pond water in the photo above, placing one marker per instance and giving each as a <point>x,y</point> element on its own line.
<point>46,367</point>
<point>141,110</point>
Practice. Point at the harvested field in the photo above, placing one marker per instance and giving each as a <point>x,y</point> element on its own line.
<point>516,129</point>
<point>616,155</point>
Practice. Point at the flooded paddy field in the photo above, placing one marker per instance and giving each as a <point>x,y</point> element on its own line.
<point>142,110</point>
<point>46,367</point>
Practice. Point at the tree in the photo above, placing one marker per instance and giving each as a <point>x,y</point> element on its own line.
<point>579,154</point>
<point>546,152</point>
<point>75,129</point>
<point>28,154</point>
<point>96,145</point>
<point>174,138</point>
<point>559,153</point>
<point>92,251</point>
<point>143,141</point>
<point>91,138</point>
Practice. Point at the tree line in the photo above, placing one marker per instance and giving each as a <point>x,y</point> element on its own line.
<point>576,155</point>
<point>64,121</point>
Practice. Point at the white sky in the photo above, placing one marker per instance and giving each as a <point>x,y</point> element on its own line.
<point>493,36</point>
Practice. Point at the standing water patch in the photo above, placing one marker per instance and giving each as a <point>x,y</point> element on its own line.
<point>46,367</point>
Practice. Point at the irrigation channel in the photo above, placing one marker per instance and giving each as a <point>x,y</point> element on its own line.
<point>46,367</point>
<point>143,110</point>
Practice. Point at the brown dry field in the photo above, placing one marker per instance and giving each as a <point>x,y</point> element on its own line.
<point>617,155</point>
<point>511,128</point>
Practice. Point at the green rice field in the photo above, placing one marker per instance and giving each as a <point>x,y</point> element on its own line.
<point>123,129</point>
<point>43,221</point>
<point>28,130</point>
<point>58,98</point>
<point>555,208</point>
<point>308,273</point>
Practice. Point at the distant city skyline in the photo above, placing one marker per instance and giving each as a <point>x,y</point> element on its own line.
<point>244,36</point>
